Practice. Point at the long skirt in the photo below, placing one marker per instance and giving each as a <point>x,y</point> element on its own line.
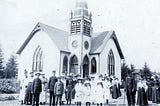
<point>154,94</point>
<point>142,97</point>
<point>114,92</point>
<point>149,93</point>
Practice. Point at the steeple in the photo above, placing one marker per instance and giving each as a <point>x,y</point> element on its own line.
<point>81,19</point>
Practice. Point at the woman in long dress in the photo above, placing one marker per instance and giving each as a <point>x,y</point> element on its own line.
<point>114,90</point>
<point>107,85</point>
<point>141,94</point>
<point>99,91</point>
<point>79,92</point>
<point>63,96</point>
<point>43,96</point>
<point>154,92</point>
<point>23,87</point>
<point>87,93</point>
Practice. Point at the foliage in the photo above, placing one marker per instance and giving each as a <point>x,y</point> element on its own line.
<point>124,70</point>
<point>132,69</point>
<point>1,64</point>
<point>9,86</point>
<point>11,70</point>
<point>145,72</point>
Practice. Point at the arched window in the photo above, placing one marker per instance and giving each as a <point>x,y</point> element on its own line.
<point>111,63</point>
<point>74,64</point>
<point>65,65</point>
<point>37,64</point>
<point>85,66</point>
<point>93,66</point>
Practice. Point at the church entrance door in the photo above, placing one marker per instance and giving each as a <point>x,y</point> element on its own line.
<point>73,64</point>
<point>85,67</point>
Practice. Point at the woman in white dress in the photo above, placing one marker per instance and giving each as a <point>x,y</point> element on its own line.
<point>99,92</point>
<point>63,79</point>
<point>23,87</point>
<point>107,85</point>
<point>87,93</point>
<point>43,96</point>
<point>79,92</point>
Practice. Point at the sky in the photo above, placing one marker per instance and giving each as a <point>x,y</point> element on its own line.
<point>135,22</point>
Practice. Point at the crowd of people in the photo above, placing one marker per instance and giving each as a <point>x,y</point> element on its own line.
<point>72,89</point>
<point>95,89</point>
<point>141,90</point>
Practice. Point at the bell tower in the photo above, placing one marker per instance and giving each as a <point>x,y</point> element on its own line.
<point>80,33</point>
<point>81,19</point>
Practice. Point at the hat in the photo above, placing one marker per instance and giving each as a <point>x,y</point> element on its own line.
<point>31,72</point>
<point>86,82</point>
<point>59,77</point>
<point>54,71</point>
<point>37,73</point>
<point>80,78</point>
<point>42,73</point>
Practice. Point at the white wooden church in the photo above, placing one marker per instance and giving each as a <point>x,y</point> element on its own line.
<point>79,51</point>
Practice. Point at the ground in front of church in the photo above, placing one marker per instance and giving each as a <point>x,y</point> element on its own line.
<point>121,101</point>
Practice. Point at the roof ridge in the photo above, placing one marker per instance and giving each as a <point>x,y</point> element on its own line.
<point>43,24</point>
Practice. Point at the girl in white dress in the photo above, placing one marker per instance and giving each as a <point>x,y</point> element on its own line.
<point>107,85</point>
<point>99,91</point>
<point>43,95</point>
<point>63,96</point>
<point>87,93</point>
<point>79,91</point>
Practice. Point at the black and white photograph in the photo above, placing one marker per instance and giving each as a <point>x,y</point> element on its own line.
<point>79,53</point>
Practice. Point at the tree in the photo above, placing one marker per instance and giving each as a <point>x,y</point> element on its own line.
<point>132,68</point>
<point>146,71</point>
<point>124,70</point>
<point>11,70</point>
<point>1,64</point>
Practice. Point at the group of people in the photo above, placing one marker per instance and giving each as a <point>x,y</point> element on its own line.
<point>140,90</point>
<point>70,89</point>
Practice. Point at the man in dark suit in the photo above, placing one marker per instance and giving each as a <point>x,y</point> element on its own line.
<point>36,89</point>
<point>58,90</point>
<point>51,85</point>
<point>130,88</point>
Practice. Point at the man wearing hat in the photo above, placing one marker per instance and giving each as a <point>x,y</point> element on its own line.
<point>51,85</point>
<point>36,89</point>
<point>58,90</point>
<point>130,88</point>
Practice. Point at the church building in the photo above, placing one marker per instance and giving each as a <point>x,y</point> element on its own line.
<point>79,51</point>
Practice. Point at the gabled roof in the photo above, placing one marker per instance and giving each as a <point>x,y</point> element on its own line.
<point>59,37</point>
<point>99,41</point>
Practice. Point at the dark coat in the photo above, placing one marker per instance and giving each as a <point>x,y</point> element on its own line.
<point>114,91</point>
<point>149,93</point>
<point>51,83</point>
<point>70,91</point>
<point>59,88</point>
<point>130,86</point>
<point>36,86</point>
<point>119,90</point>
<point>142,97</point>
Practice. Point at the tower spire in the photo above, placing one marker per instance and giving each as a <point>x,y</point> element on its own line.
<point>81,9</point>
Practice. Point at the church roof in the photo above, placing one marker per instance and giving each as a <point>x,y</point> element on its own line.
<point>59,37</point>
<point>99,41</point>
